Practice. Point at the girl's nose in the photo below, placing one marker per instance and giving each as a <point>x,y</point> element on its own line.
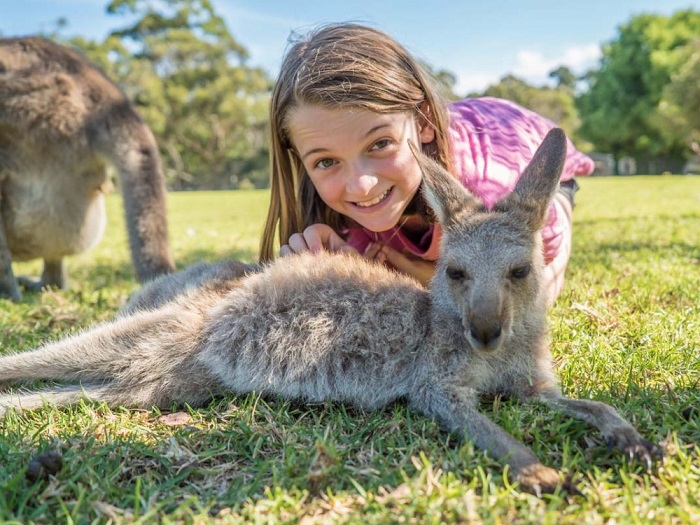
<point>360,180</point>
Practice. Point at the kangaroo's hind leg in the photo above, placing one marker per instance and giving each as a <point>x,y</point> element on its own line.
<point>147,359</point>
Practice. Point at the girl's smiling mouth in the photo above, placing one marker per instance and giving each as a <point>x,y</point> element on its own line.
<point>375,201</point>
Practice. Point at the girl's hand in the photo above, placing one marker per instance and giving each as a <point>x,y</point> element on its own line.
<point>420,269</point>
<point>315,238</point>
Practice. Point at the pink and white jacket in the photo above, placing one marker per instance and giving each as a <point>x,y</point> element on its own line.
<point>492,141</point>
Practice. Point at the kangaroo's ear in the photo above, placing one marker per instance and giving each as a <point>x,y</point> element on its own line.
<point>443,193</point>
<point>539,182</point>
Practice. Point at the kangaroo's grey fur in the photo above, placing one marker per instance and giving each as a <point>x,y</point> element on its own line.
<point>336,327</point>
<point>62,121</point>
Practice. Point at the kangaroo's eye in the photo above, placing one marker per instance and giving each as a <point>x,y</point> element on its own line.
<point>455,274</point>
<point>520,272</point>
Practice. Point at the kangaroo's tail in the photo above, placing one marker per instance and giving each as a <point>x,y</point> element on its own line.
<point>59,396</point>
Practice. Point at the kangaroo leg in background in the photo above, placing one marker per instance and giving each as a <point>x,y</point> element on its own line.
<point>8,283</point>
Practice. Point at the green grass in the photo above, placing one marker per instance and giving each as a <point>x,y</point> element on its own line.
<point>626,331</point>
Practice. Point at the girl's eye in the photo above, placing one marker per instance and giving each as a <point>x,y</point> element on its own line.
<point>381,144</point>
<point>324,164</point>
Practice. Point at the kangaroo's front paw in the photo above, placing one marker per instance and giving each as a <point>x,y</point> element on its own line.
<point>538,479</point>
<point>634,446</point>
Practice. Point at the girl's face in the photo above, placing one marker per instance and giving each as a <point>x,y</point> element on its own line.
<point>359,161</point>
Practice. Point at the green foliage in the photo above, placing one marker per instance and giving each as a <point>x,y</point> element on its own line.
<point>625,331</point>
<point>680,102</point>
<point>564,77</point>
<point>620,110</point>
<point>188,78</point>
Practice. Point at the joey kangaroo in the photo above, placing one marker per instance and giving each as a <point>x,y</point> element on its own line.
<point>61,123</point>
<point>320,327</point>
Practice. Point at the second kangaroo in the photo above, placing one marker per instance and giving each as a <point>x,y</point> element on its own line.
<point>336,327</point>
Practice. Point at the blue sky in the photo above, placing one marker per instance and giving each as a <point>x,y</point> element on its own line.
<point>479,41</point>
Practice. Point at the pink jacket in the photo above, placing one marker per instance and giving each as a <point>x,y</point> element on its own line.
<point>492,142</point>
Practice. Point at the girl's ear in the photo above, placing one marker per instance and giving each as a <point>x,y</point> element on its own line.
<point>426,130</point>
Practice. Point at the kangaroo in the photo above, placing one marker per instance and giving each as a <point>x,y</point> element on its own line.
<point>62,121</point>
<point>318,327</point>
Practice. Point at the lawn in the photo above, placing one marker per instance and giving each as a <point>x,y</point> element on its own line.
<point>625,331</point>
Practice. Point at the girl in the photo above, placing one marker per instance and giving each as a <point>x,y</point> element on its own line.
<point>343,178</point>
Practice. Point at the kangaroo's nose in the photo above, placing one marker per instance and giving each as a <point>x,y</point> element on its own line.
<point>485,334</point>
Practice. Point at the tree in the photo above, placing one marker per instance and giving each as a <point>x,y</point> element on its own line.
<point>620,110</point>
<point>187,75</point>
<point>680,101</point>
<point>563,77</point>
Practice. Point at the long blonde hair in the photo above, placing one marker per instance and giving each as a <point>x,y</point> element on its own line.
<point>339,64</point>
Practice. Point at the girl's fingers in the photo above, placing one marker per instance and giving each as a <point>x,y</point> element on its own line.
<point>419,269</point>
<point>372,250</point>
<point>315,238</point>
<point>297,243</point>
<point>323,237</point>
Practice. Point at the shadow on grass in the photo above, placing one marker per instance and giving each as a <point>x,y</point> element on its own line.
<point>235,451</point>
<point>670,218</point>
<point>676,236</point>
<point>104,274</point>
<point>601,252</point>
<point>243,449</point>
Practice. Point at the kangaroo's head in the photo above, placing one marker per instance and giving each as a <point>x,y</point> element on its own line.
<point>488,274</point>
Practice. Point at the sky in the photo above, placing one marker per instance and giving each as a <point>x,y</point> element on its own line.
<point>479,41</point>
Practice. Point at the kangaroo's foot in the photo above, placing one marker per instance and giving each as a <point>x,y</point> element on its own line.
<point>538,480</point>
<point>634,446</point>
<point>31,284</point>
<point>54,275</point>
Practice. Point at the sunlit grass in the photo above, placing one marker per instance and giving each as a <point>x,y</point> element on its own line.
<point>625,331</point>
